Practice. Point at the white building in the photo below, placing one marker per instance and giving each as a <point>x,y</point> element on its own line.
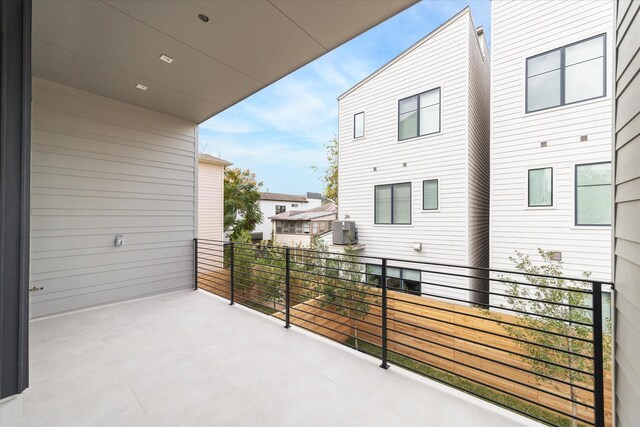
<point>551,133</point>
<point>297,228</point>
<point>211,197</point>
<point>414,155</point>
<point>275,203</point>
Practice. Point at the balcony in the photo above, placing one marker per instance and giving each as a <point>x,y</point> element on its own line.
<point>188,358</point>
<point>530,341</point>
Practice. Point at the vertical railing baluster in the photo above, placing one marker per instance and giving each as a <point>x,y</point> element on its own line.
<point>598,356</point>
<point>232,278</point>
<point>383,280</point>
<point>195,264</point>
<point>287,289</point>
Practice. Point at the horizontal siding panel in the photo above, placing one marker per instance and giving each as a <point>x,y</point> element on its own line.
<point>444,61</point>
<point>102,168</point>
<point>516,135</point>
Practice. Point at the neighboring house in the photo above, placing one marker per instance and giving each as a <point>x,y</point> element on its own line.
<point>414,156</point>
<point>297,228</point>
<point>551,133</point>
<point>276,203</point>
<point>211,197</point>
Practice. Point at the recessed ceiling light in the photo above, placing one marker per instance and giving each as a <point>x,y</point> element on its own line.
<point>141,86</point>
<point>203,17</point>
<point>166,59</point>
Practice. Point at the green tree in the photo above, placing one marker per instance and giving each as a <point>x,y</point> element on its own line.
<point>549,325</point>
<point>330,177</point>
<point>342,287</point>
<point>241,201</point>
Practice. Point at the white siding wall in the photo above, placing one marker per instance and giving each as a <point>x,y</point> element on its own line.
<point>102,168</point>
<point>479,153</point>
<point>210,201</point>
<point>440,61</point>
<point>522,29</point>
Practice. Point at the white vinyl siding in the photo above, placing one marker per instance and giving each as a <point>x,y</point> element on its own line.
<point>458,155</point>
<point>102,168</point>
<point>210,201</point>
<point>548,138</point>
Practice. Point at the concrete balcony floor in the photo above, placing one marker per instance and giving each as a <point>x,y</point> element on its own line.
<point>190,359</point>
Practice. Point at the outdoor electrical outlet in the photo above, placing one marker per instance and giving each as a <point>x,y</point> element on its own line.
<point>119,240</point>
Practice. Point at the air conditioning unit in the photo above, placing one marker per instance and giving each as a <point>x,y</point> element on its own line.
<point>344,232</point>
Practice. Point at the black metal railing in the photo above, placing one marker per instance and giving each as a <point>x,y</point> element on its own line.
<point>530,340</point>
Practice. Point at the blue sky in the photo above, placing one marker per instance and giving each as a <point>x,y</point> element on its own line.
<point>280,131</point>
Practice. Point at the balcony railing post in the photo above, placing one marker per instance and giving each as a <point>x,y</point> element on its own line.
<point>598,356</point>
<point>195,263</point>
<point>383,279</point>
<point>287,289</point>
<point>232,278</point>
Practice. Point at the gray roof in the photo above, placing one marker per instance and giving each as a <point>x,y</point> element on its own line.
<point>208,158</point>
<point>280,197</point>
<point>308,215</point>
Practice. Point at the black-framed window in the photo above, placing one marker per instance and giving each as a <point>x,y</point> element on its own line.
<point>430,195</point>
<point>404,280</point>
<point>398,279</point>
<point>392,203</point>
<point>540,187</point>
<point>593,194</point>
<point>374,274</point>
<point>280,209</point>
<point>294,205</point>
<point>419,115</point>
<point>569,74</point>
<point>358,125</point>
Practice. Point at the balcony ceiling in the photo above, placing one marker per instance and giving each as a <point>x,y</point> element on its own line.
<point>107,47</point>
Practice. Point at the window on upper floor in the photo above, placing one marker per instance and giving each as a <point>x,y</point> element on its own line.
<point>392,203</point>
<point>419,115</point>
<point>540,187</point>
<point>280,209</point>
<point>358,125</point>
<point>593,194</point>
<point>430,195</point>
<point>566,75</point>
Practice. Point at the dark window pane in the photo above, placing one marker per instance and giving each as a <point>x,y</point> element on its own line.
<point>430,194</point>
<point>383,204</point>
<point>402,203</point>
<point>408,127</point>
